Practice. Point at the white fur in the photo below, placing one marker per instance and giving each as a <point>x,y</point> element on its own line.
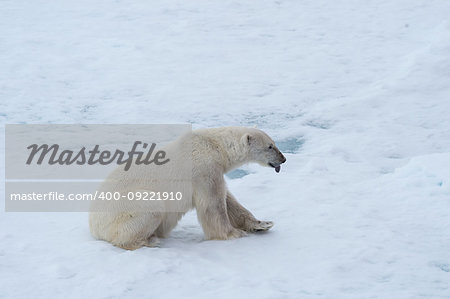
<point>214,152</point>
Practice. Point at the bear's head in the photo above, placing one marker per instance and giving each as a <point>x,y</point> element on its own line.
<point>262,149</point>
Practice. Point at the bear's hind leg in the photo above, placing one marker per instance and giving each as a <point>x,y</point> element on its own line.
<point>168,224</point>
<point>153,241</point>
<point>137,230</point>
<point>241,218</point>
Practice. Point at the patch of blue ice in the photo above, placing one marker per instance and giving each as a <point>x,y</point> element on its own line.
<point>237,174</point>
<point>291,145</point>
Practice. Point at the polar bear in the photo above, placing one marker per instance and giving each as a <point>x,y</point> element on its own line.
<point>215,151</point>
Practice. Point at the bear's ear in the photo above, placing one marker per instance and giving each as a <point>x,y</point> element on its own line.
<point>246,139</point>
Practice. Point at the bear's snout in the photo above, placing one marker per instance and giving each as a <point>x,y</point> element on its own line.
<point>281,157</point>
<point>280,160</point>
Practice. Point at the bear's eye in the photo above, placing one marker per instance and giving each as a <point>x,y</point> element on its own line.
<point>270,146</point>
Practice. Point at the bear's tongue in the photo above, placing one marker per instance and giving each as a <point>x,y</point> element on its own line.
<point>277,169</point>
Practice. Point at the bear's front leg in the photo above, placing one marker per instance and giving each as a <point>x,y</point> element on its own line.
<point>210,203</point>
<point>241,218</point>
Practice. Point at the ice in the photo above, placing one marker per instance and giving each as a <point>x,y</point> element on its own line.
<point>237,173</point>
<point>290,145</point>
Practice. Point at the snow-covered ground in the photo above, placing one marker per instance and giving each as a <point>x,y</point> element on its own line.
<point>357,93</point>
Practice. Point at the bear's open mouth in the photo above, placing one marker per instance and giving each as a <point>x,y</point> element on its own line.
<point>277,167</point>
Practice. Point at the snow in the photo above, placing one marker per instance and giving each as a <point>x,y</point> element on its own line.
<point>357,94</point>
